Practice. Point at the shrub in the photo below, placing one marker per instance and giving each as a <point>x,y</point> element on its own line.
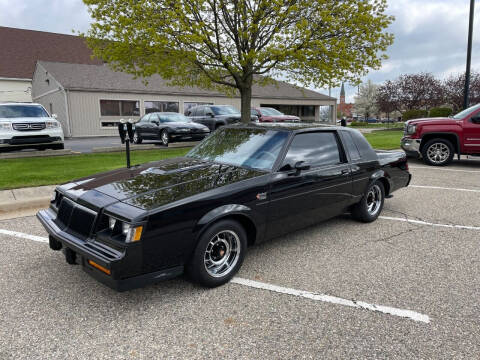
<point>358,123</point>
<point>440,112</point>
<point>414,114</point>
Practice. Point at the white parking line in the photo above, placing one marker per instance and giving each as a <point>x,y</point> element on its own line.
<point>24,236</point>
<point>413,315</point>
<point>442,188</point>
<point>442,169</point>
<point>420,222</point>
<point>283,290</point>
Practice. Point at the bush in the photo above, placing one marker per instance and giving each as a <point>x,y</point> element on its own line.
<point>440,112</point>
<point>358,123</point>
<point>414,114</point>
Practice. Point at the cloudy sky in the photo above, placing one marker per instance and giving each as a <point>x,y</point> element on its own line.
<point>430,35</point>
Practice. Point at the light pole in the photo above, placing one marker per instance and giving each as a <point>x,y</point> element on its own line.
<point>469,56</point>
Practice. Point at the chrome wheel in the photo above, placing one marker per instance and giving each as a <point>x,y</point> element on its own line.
<point>222,253</point>
<point>374,200</point>
<point>438,153</point>
<point>164,137</point>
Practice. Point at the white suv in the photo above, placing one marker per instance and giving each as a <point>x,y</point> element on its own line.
<point>29,125</point>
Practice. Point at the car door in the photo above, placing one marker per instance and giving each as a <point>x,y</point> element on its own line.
<point>471,134</point>
<point>153,129</point>
<point>142,126</point>
<point>209,118</point>
<point>299,198</point>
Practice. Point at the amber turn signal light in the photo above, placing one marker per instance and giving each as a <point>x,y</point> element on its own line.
<point>99,267</point>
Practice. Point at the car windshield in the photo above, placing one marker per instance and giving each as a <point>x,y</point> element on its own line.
<point>252,148</point>
<point>270,112</point>
<point>174,117</point>
<point>224,110</point>
<point>19,111</point>
<point>466,112</point>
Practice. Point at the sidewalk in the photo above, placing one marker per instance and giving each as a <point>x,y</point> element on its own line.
<point>25,198</point>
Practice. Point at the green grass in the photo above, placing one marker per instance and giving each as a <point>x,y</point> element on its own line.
<point>385,139</point>
<point>25,172</point>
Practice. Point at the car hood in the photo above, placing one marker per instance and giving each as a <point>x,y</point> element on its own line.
<point>26,119</point>
<point>158,183</point>
<point>190,125</point>
<point>433,121</point>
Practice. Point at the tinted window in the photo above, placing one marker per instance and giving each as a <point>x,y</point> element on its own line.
<point>200,111</point>
<point>253,148</point>
<point>145,118</point>
<point>14,111</point>
<point>160,106</point>
<point>119,108</point>
<point>224,110</point>
<point>350,146</point>
<point>363,146</point>
<point>315,149</point>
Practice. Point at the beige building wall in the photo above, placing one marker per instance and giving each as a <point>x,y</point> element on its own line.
<point>18,90</point>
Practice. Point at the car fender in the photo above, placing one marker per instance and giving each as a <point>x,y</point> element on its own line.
<point>223,211</point>
<point>383,177</point>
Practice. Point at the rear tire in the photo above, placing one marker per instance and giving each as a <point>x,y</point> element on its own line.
<point>371,205</point>
<point>219,254</point>
<point>438,152</point>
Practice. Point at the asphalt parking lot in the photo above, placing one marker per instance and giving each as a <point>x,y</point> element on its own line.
<point>405,286</point>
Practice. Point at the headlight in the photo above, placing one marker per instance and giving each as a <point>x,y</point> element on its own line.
<point>52,124</point>
<point>129,232</point>
<point>411,129</point>
<point>5,125</point>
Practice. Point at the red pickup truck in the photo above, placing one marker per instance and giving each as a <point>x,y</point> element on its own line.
<point>437,140</point>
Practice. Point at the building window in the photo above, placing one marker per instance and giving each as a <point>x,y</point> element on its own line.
<point>119,108</point>
<point>161,106</point>
<point>188,105</point>
<point>307,111</point>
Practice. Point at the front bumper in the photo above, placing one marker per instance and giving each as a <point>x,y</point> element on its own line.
<point>181,136</point>
<point>11,138</point>
<point>111,259</point>
<point>411,146</point>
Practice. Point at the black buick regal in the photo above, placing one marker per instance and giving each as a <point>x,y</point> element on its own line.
<point>199,213</point>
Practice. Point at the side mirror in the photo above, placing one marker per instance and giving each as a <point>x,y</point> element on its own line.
<point>210,114</point>
<point>301,165</point>
<point>54,116</point>
<point>475,119</point>
<point>156,122</point>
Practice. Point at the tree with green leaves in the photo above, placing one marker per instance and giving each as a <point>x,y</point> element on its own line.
<point>229,45</point>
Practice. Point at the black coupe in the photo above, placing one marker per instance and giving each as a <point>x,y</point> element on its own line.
<point>167,127</point>
<point>242,185</point>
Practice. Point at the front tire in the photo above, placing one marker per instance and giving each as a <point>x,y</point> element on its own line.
<point>219,254</point>
<point>164,137</point>
<point>371,205</point>
<point>136,138</point>
<point>438,152</point>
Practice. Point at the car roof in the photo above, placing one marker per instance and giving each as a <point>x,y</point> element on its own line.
<point>293,127</point>
<point>19,103</point>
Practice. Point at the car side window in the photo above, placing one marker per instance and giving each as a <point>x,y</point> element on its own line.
<point>145,118</point>
<point>351,147</point>
<point>154,118</point>
<point>315,149</point>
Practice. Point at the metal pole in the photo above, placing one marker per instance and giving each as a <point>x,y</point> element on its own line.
<point>127,144</point>
<point>469,56</point>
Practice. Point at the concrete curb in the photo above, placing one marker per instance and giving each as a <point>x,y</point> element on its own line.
<point>25,198</point>
<point>145,147</point>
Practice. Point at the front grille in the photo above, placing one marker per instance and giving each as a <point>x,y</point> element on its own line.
<point>75,218</point>
<point>28,126</point>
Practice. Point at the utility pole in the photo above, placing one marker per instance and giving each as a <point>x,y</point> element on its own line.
<point>469,56</point>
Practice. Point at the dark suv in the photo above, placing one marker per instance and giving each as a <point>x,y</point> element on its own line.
<point>214,116</point>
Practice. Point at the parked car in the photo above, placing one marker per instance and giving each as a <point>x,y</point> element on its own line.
<point>168,127</point>
<point>372,121</point>
<point>268,114</point>
<point>240,186</point>
<point>214,116</point>
<point>437,140</point>
<point>28,125</point>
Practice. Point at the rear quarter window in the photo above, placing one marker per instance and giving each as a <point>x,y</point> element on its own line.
<point>366,151</point>
<point>350,146</point>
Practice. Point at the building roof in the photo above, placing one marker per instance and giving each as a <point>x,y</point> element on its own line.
<point>102,78</point>
<point>21,49</point>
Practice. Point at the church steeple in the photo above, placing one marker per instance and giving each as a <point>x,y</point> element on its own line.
<point>342,90</point>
